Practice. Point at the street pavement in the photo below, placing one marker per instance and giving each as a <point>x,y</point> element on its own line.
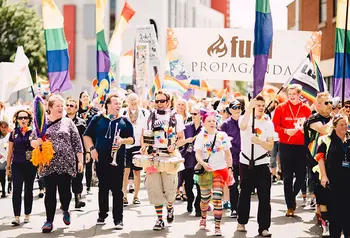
<point>139,220</point>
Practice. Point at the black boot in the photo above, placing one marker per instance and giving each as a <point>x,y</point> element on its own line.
<point>78,202</point>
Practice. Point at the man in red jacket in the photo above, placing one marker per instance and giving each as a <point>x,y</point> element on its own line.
<point>288,121</point>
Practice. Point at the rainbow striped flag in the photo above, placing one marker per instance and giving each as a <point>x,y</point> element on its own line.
<point>263,34</point>
<point>309,76</point>
<point>339,53</point>
<point>56,48</point>
<point>199,85</point>
<point>175,85</point>
<point>103,61</point>
<point>155,87</point>
<point>115,44</point>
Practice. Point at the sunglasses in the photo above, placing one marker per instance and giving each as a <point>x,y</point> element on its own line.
<point>194,114</point>
<point>347,106</point>
<point>329,102</point>
<point>70,105</point>
<point>22,118</point>
<point>236,108</point>
<point>161,101</point>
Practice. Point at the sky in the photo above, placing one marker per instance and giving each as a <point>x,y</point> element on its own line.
<point>243,13</point>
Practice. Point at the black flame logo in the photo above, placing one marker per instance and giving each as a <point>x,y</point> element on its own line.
<point>219,48</point>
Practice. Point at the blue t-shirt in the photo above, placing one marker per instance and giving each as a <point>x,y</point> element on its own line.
<point>101,130</point>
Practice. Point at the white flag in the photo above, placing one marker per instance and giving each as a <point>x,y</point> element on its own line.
<point>14,76</point>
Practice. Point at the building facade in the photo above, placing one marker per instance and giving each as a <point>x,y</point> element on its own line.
<point>317,15</point>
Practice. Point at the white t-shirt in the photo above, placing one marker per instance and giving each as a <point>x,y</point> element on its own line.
<point>204,143</point>
<point>264,129</point>
<point>160,139</point>
<point>141,123</point>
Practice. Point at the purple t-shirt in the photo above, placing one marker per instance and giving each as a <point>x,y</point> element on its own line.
<point>190,157</point>
<point>231,127</point>
<point>21,144</point>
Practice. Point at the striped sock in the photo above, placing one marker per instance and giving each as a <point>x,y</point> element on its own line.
<point>159,211</point>
<point>170,206</point>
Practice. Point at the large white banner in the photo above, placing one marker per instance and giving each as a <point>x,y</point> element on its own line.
<point>227,54</point>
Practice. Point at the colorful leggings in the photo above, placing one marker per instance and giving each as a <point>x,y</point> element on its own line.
<point>216,189</point>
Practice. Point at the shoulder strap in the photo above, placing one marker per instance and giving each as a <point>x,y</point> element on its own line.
<point>212,147</point>
<point>124,113</point>
<point>143,112</point>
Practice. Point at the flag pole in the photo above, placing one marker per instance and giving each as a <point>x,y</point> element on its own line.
<point>345,45</point>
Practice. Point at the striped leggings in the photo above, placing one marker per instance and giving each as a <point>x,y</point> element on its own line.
<point>216,189</point>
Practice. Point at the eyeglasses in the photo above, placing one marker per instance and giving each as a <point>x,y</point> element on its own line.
<point>328,102</point>
<point>22,118</point>
<point>236,108</point>
<point>70,105</point>
<point>161,101</point>
<point>194,114</point>
<point>347,106</point>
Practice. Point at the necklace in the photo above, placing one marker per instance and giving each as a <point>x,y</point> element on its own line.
<point>133,116</point>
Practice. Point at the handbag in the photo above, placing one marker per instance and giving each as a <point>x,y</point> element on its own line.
<point>199,169</point>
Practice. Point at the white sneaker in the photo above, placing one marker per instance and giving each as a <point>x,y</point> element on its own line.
<point>26,218</point>
<point>241,228</point>
<point>265,233</point>
<point>325,227</point>
<point>16,221</point>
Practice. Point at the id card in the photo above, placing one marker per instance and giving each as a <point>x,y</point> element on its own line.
<point>346,164</point>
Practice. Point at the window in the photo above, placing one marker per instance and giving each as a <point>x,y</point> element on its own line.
<point>335,4</point>
<point>89,21</point>
<point>323,11</point>
<point>91,62</point>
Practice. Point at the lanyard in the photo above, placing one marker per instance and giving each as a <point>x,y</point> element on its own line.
<point>345,148</point>
<point>291,111</point>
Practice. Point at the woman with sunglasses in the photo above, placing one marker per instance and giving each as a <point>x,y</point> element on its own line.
<point>86,111</point>
<point>231,128</point>
<point>333,156</point>
<point>19,165</point>
<point>213,153</point>
<point>192,130</point>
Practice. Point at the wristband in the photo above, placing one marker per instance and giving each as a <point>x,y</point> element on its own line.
<point>230,168</point>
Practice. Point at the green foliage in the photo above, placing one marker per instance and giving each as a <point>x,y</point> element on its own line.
<point>21,26</point>
<point>241,86</point>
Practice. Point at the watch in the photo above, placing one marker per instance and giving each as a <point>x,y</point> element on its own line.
<point>92,148</point>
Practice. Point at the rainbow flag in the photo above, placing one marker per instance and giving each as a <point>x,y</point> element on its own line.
<point>115,44</point>
<point>309,76</point>
<point>103,61</point>
<point>339,53</point>
<point>262,41</point>
<point>173,84</point>
<point>155,87</point>
<point>56,48</point>
<point>224,96</point>
<point>199,85</point>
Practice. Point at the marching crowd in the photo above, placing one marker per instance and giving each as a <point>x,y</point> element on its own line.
<point>226,150</point>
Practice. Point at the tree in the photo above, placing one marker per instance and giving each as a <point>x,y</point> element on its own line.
<point>21,26</point>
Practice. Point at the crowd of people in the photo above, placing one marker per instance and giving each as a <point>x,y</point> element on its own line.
<point>226,150</point>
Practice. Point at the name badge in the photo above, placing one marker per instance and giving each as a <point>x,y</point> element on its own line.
<point>346,164</point>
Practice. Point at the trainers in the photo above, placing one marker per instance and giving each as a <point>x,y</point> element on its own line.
<point>233,214</point>
<point>41,194</point>
<point>88,191</point>
<point>16,221</point>
<point>226,205</point>
<point>304,204</point>
<point>265,233</point>
<point>136,201</point>
<point>274,179</point>
<point>131,188</point>
<point>313,203</point>
<point>202,224</point>
<point>66,218</point>
<point>26,218</point>
<point>218,232</point>
<point>3,195</point>
<point>159,225</point>
<point>241,228</point>
<point>119,225</point>
<point>100,221</point>
<point>325,228</point>
<point>47,227</point>
<point>170,216</point>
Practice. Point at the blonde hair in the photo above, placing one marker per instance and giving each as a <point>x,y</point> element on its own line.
<point>298,87</point>
<point>53,99</point>
<point>322,95</point>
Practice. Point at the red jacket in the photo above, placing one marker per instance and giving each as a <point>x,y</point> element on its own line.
<point>285,119</point>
